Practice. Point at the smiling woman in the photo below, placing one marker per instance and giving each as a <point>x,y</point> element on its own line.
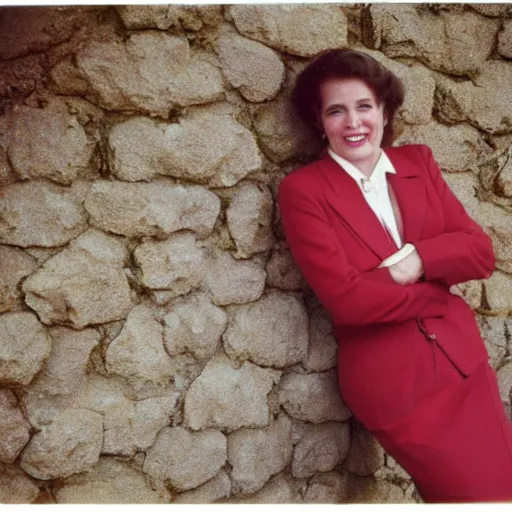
<point>380,238</point>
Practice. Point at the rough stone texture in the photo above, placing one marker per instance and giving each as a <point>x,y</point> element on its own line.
<point>40,214</point>
<point>269,332</point>
<point>365,455</point>
<point>111,481</point>
<point>174,264</point>
<point>282,272</point>
<point>257,454</point>
<point>48,143</point>
<point>209,149</point>
<point>16,486</point>
<point>312,397</point>
<point>297,29</point>
<point>503,181</point>
<point>280,489</point>
<point>331,487</point>
<point>138,352</point>
<point>321,448</point>
<point>505,39</point>
<point>496,222</point>
<point>151,209</point>
<point>151,72</point>
<point>14,428</point>
<point>194,325</point>
<point>497,290</point>
<point>249,219</point>
<point>83,284</point>
<point>24,346</point>
<point>495,338</point>
<point>453,42</point>
<point>505,385</point>
<point>464,186</point>
<point>420,85</point>
<point>456,148</point>
<point>65,369</point>
<point>71,443</point>
<point>476,102</point>
<point>216,488</point>
<point>229,398</point>
<point>15,265</point>
<point>493,10</point>
<point>186,459</point>
<point>255,70</point>
<point>280,132</point>
<point>231,281</point>
<point>322,347</point>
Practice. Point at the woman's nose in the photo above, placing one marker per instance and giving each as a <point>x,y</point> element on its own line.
<point>353,120</point>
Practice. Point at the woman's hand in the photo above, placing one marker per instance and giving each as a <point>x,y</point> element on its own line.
<point>408,270</point>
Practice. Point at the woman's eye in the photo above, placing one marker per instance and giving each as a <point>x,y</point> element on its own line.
<point>365,106</point>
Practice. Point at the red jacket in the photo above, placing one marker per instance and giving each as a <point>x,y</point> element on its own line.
<point>338,243</point>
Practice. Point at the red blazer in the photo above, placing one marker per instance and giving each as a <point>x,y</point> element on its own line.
<point>338,243</point>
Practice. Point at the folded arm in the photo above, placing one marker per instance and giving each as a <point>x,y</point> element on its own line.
<point>352,298</point>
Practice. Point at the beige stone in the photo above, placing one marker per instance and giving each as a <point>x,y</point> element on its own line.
<point>476,102</point>
<point>152,72</point>
<point>282,272</point>
<point>496,222</point>
<point>279,490</point>
<point>503,181</point>
<point>65,368</point>
<point>249,218</point>
<point>505,39</point>
<point>111,481</point>
<point>419,84</point>
<point>464,185</point>
<point>498,290</point>
<point>321,449</point>
<point>83,284</point>
<point>48,143</point>
<point>229,398</point>
<point>186,459</point>
<point>70,444</point>
<point>209,149</point>
<point>138,352</point>
<point>253,68</point>
<point>365,455</point>
<point>269,332</point>
<point>175,264</point>
<point>330,487</point>
<point>151,209</point>
<point>232,281</point>
<point>505,386</point>
<point>313,397</point>
<point>194,325</point>
<point>216,488</point>
<point>16,487</point>
<point>302,30</point>
<point>14,428</point>
<point>456,43</point>
<point>24,346</point>
<point>15,265</point>
<point>493,10</point>
<point>456,148</point>
<point>323,347</point>
<point>257,454</point>
<point>281,134</point>
<point>471,292</point>
<point>40,214</point>
<point>492,329</point>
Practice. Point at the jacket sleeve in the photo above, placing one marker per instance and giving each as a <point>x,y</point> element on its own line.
<point>463,251</point>
<point>351,298</point>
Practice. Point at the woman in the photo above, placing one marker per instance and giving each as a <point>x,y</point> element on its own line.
<point>380,238</point>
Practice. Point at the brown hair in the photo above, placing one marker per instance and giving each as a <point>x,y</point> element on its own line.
<point>346,63</point>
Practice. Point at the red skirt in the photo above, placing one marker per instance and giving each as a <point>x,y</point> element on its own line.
<point>456,443</point>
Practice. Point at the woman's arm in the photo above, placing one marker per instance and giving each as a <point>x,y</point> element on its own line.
<point>463,252</point>
<point>350,297</point>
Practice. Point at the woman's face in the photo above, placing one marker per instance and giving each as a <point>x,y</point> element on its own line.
<point>353,121</point>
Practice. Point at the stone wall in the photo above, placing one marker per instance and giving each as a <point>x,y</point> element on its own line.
<point>157,343</point>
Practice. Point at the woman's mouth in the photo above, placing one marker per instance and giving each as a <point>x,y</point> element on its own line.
<point>356,140</point>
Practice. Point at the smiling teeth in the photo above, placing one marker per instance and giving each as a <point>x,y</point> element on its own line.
<point>355,138</point>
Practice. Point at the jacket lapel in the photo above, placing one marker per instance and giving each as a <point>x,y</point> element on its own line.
<point>409,186</point>
<point>347,200</point>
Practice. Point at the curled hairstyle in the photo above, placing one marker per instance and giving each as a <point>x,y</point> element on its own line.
<point>346,63</point>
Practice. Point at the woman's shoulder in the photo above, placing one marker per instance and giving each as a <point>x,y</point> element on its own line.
<point>307,175</point>
<point>409,149</point>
